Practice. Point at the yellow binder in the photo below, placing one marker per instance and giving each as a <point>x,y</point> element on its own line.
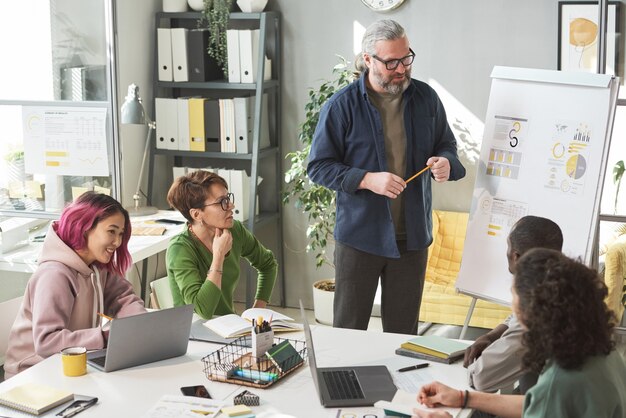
<point>196,124</point>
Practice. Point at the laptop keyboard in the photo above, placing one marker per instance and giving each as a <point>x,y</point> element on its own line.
<point>342,384</point>
<point>98,360</point>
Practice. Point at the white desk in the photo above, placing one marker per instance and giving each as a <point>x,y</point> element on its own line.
<point>24,259</point>
<point>132,392</point>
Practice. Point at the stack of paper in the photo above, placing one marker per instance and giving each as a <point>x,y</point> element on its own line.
<point>184,406</point>
<point>434,348</point>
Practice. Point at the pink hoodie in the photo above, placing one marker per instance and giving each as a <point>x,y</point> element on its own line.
<point>60,306</point>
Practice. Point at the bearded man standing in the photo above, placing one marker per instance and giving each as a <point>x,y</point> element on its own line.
<point>371,136</point>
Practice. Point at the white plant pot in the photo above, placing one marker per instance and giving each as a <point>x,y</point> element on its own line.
<point>251,6</point>
<point>323,304</point>
<point>174,5</point>
<point>197,5</point>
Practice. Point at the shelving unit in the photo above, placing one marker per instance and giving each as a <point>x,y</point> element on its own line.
<point>267,159</point>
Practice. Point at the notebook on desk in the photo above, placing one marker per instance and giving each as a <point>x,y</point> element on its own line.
<point>144,338</point>
<point>347,386</point>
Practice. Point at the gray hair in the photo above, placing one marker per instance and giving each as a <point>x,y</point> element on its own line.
<point>381,30</point>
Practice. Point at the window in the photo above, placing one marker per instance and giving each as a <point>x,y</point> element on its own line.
<point>55,104</point>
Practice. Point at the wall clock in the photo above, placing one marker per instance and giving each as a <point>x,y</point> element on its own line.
<point>382,5</point>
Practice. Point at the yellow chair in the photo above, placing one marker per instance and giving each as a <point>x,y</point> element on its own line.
<point>614,275</point>
<point>440,301</point>
<point>161,294</point>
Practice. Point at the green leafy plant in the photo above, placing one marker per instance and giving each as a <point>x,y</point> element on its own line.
<point>13,156</point>
<point>215,17</point>
<point>318,202</point>
<point>618,174</point>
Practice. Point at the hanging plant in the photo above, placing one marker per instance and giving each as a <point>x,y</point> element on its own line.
<point>215,17</point>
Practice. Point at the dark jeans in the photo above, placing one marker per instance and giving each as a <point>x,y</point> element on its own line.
<point>356,280</point>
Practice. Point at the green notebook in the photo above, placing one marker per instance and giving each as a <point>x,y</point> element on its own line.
<point>435,345</point>
<point>284,356</point>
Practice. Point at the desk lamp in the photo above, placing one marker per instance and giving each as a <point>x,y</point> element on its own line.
<point>133,113</point>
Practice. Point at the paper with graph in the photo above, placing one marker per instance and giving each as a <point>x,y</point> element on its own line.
<point>68,141</point>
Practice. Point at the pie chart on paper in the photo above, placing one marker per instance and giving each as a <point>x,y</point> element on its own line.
<point>576,166</point>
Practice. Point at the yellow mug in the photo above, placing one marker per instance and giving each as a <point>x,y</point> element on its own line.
<point>74,361</point>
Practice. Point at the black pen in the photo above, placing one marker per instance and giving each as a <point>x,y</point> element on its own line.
<point>72,410</point>
<point>417,366</point>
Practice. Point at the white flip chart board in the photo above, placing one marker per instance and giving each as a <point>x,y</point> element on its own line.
<point>543,153</point>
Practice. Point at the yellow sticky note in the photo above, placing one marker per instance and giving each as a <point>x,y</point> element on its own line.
<point>102,190</point>
<point>33,189</point>
<point>234,411</point>
<point>77,191</point>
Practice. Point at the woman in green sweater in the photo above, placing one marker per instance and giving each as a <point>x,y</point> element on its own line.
<point>568,330</point>
<point>203,260</point>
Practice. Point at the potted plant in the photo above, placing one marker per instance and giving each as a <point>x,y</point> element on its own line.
<point>15,165</point>
<point>215,17</point>
<point>318,202</point>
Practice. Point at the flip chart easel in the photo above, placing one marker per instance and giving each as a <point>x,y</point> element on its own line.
<point>547,135</point>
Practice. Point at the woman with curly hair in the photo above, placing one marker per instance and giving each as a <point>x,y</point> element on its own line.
<point>560,303</point>
<point>203,260</point>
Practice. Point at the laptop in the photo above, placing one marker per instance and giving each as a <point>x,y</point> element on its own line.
<point>144,338</point>
<point>347,386</point>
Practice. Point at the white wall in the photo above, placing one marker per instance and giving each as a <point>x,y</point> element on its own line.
<point>457,43</point>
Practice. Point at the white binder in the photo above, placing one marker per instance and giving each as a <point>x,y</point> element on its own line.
<point>249,42</point>
<point>244,111</point>
<point>164,54</point>
<point>240,188</point>
<point>178,171</point>
<point>184,139</point>
<point>248,53</point>
<point>232,50</point>
<point>227,125</point>
<point>225,174</point>
<point>166,123</point>
<point>179,54</point>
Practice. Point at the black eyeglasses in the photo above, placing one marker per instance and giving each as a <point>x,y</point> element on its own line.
<point>224,202</point>
<point>393,63</point>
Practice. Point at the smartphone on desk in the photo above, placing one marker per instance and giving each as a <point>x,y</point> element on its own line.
<point>198,391</point>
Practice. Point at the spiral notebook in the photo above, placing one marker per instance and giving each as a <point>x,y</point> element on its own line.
<point>34,398</point>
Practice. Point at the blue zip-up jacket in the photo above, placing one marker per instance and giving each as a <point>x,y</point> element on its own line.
<point>348,142</point>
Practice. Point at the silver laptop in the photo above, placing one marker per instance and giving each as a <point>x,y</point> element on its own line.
<point>144,338</point>
<point>347,386</point>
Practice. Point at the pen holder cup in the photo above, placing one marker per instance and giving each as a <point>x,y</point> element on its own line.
<point>262,342</point>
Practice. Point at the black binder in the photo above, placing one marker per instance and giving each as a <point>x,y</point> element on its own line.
<point>212,125</point>
<point>202,67</point>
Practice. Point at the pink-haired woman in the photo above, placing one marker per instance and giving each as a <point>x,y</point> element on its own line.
<point>80,274</point>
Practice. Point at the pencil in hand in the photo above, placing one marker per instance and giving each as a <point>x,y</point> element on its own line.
<point>417,174</point>
<point>105,316</point>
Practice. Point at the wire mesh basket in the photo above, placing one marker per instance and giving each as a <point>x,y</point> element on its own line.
<point>234,363</point>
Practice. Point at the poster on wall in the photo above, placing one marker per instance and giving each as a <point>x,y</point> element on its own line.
<point>579,34</point>
<point>66,141</point>
<point>543,153</point>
